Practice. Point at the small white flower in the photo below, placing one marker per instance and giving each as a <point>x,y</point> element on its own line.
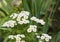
<point>49,37</point>
<point>18,18</point>
<point>25,17</point>
<point>22,36</point>
<point>34,30</point>
<point>33,18</point>
<point>9,23</point>
<point>46,39</point>
<point>42,37</point>
<point>18,35</point>
<point>31,26</point>
<point>14,15</point>
<point>11,37</point>
<point>37,20</point>
<point>38,36</point>
<point>22,41</point>
<point>35,26</point>
<point>29,30</point>
<point>20,22</point>
<point>25,12</point>
<point>45,34</point>
<point>42,22</point>
<point>18,39</point>
<point>25,21</point>
<point>5,24</point>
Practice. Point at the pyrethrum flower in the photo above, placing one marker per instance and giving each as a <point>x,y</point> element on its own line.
<point>41,21</point>
<point>11,37</point>
<point>32,28</point>
<point>44,36</point>
<point>14,15</point>
<point>37,36</point>
<point>9,23</point>
<point>22,18</point>
<point>18,37</point>
<point>29,30</point>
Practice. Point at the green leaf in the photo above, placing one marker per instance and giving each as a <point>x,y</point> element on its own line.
<point>25,5</point>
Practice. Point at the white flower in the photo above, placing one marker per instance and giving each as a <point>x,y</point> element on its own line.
<point>42,22</point>
<point>18,35</point>
<point>18,39</point>
<point>38,20</point>
<point>25,12</point>
<point>20,22</point>
<point>38,36</point>
<point>49,37</point>
<point>22,36</point>
<point>25,21</point>
<point>25,17</point>
<point>46,39</point>
<point>11,37</point>
<point>5,24</point>
<point>9,23</point>
<point>29,30</point>
<point>42,37</point>
<point>35,26</point>
<point>14,15</point>
<point>46,35</point>
<point>18,18</point>
<point>34,30</point>
<point>31,26</point>
<point>22,41</point>
<point>33,18</point>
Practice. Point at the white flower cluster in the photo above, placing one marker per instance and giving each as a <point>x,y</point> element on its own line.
<point>9,23</point>
<point>18,37</point>
<point>38,20</point>
<point>45,37</point>
<point>32,28</point>
<point>22,17</point>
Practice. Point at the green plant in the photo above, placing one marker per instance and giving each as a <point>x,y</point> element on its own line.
<point>36,8</point>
